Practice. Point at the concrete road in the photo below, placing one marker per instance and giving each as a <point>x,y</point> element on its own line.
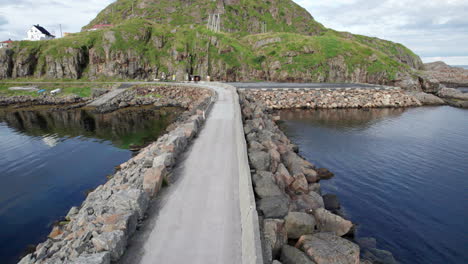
<point>261,85</point>
<point>197,218</point>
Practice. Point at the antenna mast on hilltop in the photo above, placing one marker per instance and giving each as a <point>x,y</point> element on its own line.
<point>264,27</point>
<point>214,22</point>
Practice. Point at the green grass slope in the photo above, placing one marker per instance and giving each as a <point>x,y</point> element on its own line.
<point>237,16</point>
<point>151,37</point>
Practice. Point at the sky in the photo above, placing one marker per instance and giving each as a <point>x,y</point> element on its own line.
<point>433,29</point>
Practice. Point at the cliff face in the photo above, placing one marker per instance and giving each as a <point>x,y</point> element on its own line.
<point>172,38</point>
<point>447,75</point>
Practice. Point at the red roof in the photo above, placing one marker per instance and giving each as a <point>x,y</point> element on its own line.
<point>102,26</point>
<point>7,41</point>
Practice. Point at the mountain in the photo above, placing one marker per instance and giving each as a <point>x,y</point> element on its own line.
<point>229,40</point>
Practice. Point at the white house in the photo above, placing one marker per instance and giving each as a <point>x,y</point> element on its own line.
<point>39,33</point>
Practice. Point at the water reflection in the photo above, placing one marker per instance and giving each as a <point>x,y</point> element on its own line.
<point>48,159</point>
<point>344,118</point>
<point>123,128</point>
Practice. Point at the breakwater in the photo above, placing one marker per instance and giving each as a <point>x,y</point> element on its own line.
<point>28,100</point>
<point>290,207</point>
<point>98,230</point>
<point>327,98</point>
<point>299,224</point>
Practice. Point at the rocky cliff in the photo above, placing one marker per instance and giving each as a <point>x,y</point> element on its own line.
<point>450,76</point>
<point>229,40</point>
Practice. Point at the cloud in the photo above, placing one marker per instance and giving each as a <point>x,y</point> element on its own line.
<point>22,14</point>
<point>431,28</point>
<point>3,21</point>
<point>455,60</point>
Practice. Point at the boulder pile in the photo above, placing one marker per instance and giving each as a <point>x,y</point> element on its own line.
<point>97,232</point>
<point>28,100</point>
<point>334,98</point>
<point>158,95</point>
<point>295,225</point>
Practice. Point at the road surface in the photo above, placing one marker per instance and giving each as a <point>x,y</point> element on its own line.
<point>197,218</point>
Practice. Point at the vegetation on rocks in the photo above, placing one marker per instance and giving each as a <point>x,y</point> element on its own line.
<point>79,89</point>
<point>273,40</point>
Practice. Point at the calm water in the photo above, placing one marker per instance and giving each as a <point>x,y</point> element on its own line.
<point>402,175</point>
<point>48,160</point>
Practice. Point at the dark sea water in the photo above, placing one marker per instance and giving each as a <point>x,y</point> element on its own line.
<point>463,89</point>
<point>48,160</point>
<point>402,175</point>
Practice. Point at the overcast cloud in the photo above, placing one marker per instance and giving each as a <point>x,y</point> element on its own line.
<point>434,29</point>
<point>17,16</point>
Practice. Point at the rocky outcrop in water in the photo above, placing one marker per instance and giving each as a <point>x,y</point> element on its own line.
<point>427,98</point>
<point>97,231</point>
<point>449,76</point>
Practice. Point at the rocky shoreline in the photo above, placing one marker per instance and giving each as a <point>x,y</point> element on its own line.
<point>27,100</point>
<point>98,230</point>
<point>297,223</point>
<point>333,98</point>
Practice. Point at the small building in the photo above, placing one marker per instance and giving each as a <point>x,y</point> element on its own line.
<point>99,27</point>
<point>39,33</point>
<point>6,44</point>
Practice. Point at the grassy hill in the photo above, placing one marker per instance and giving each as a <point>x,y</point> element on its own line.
<point>156,37</point>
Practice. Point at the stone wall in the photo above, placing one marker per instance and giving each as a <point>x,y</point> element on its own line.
<point>97,232</point>
<point>333,98</point>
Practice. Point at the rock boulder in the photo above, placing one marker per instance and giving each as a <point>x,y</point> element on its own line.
<point>274,237</point>
<point>274,206</point>
<point>259,160</point>
<point>328,222</point>
<point>292,255</point>
<point>298,224</point>
<point>327,248</point>
<point>114,242</point>
<point>98,258</point>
